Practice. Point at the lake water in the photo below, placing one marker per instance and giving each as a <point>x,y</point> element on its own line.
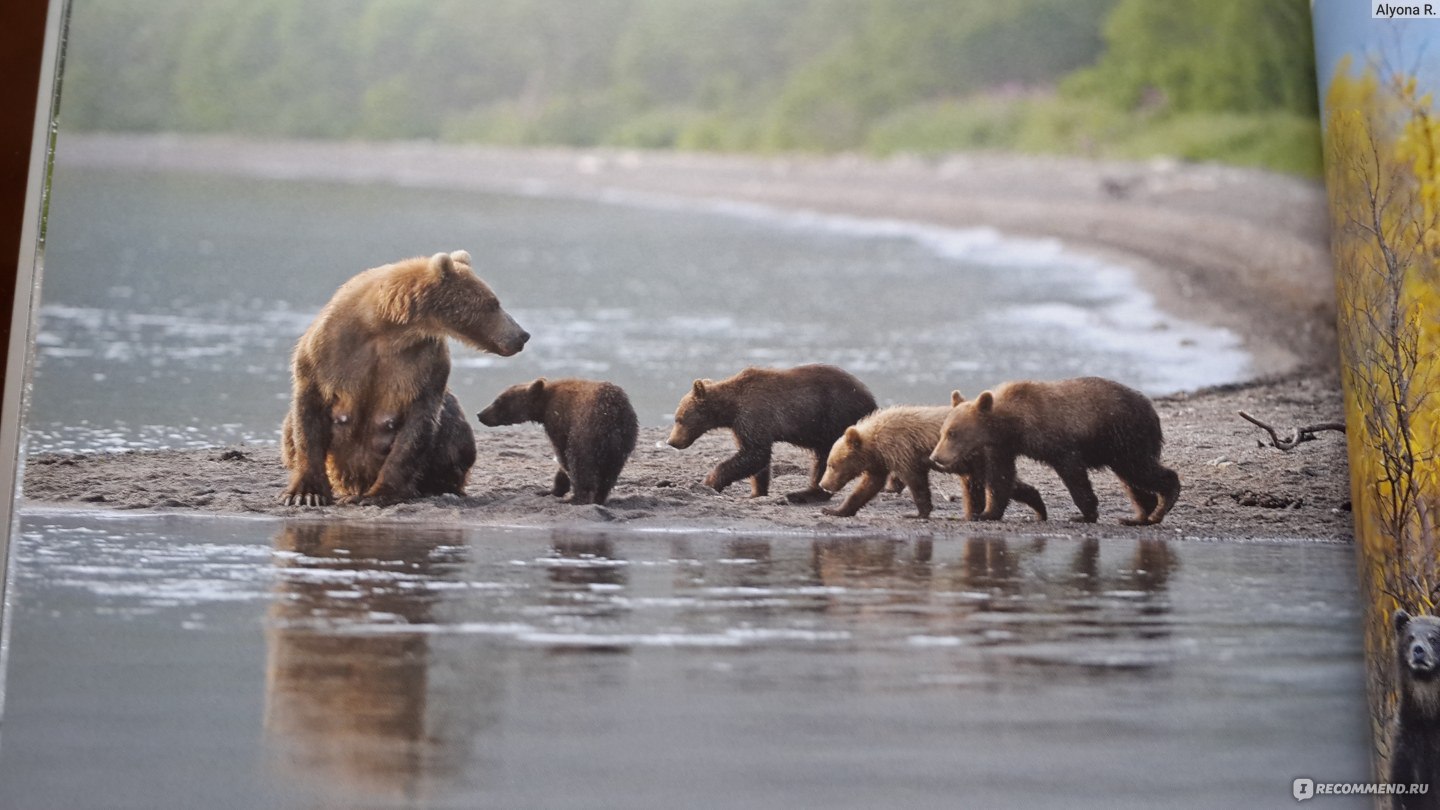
<point>171,302</point>
<point>170,662</point>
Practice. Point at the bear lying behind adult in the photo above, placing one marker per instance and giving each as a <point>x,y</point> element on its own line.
<point>1415,744</point>
<point>590,424</point>
<point>1074,426</point>
<point>896,442</point>
<point>807,406</point>
<point>371,419</point>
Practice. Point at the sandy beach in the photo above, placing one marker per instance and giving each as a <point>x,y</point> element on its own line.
<point>1237,248</point>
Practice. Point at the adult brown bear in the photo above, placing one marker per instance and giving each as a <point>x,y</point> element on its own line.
<point>371,419</point>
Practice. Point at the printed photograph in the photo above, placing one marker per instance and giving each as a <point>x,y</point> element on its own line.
<point>663,403</point>
<point>1382,171</point>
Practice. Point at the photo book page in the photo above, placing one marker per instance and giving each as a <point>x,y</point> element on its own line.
<point>663,403</point>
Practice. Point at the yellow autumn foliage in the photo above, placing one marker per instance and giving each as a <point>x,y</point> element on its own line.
<point>1382,155</point>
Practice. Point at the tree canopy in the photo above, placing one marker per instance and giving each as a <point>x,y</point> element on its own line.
<point>709,74</point>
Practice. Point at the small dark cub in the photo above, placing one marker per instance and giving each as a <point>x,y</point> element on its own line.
<point>591,425</point>
<point>807,406</point>
<point>1415,746</point>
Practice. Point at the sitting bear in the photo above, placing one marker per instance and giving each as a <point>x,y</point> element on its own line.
<point>1415,746</point>
<point>371,418</point>
<point>1072,425</point>
<point>590,424</point>
<point>807,406</point>
<point>897,442</point>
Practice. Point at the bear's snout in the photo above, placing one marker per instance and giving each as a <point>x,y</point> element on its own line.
<point>679,439</point>
<point>1420,657</point>
<point>517,341</point>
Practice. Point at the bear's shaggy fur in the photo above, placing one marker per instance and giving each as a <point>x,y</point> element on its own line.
<point>371,419</point>
<point>1415,744</point>
<point>897,442</point>
<point>590,424</point>
<point>1074,426</point>
<point>807,406</point>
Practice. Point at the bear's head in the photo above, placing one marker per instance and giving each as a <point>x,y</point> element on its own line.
<point>965,433</point>
<point>849,457</point>
<point>1417,645</point>
<point>518,403</point>
<point>452,300</point>
<point>700,410</point>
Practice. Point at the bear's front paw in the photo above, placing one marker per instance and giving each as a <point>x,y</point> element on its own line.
<point>1145,521</point>
<point>834,512</point>
<point>713,481</point>
<point>307,493</point>
<point>990,516</point>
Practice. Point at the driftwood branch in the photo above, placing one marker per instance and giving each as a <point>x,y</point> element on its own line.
<point>1298,435</point>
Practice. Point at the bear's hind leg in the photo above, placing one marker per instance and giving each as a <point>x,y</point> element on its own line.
<point>584,480</point>
<point>1077,480</point>
<point>561,485</point>
<point>606,483</point>
<point>1154,488</point>
<point>1144,502</point>
<point>813,494</point>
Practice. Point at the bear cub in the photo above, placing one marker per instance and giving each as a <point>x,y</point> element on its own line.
<point>807,406</point>
<point>371,417</point>
<point>1415,745</point>
<point>1072,425</point>
<point>591,425</point>
<point>896,442</point>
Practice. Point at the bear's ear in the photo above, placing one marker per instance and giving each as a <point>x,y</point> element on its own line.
<point>698,389</point>
<point>442,265</point>
<point>461,257</point>
<point>852,436</point>
<point>955,398</point>
<point>985,402</point>
<point>1400,619</point>
<point>538,387</point>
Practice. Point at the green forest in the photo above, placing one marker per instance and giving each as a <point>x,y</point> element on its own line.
<point>1229,80</point>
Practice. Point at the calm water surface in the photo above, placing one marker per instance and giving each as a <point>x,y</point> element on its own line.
<point>171,302</point>
<point>164,662</point>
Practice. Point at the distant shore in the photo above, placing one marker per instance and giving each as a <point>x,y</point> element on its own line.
<point>1241,249</point>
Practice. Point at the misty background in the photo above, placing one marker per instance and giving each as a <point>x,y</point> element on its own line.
<point>1228,80</point>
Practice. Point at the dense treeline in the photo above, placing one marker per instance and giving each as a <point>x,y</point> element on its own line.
<point>1096,76</point>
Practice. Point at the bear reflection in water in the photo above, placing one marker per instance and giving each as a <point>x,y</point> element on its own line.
<point>354,706</point>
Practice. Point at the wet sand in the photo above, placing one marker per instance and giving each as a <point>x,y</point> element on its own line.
<point>1238,248</point>
<point>1233,487</point>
